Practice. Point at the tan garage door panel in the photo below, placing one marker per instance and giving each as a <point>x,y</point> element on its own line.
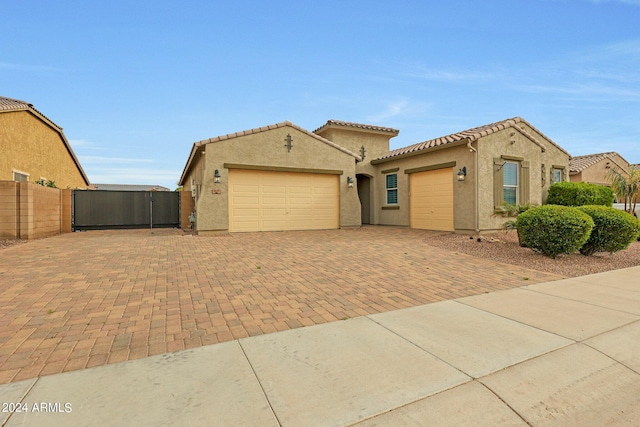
<point>272,201</point>
<point>431,200</point>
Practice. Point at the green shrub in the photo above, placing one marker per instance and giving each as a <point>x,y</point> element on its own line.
<point>613,231</point>
<point>579,194</point>
<point>554,230</point>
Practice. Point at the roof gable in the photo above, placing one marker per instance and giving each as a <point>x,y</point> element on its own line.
<point>229,136</point>
<point>470,135</point>
<point>10,104</point>
<point>579,163</point>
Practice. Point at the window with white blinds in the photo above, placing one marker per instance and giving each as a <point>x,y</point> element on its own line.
<point>510,182</point>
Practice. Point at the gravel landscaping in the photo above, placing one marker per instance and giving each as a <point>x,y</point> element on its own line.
<point>504,247</point>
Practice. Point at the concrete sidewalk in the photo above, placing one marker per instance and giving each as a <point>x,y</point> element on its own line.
<point>557,353</point>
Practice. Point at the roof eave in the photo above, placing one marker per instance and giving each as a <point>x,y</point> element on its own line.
<point>423,151</point>
<point>187,167</point>
<point>30,109</point>
<point>220,138</point>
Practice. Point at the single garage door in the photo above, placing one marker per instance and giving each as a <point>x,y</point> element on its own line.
<point>431,200</point>
<point>273,201</point>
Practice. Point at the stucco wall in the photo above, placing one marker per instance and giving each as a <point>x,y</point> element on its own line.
<point>463,192</point>
<point>376,144</point>
<point>31,146</point>
<point>266,149</point>
<point>192,185</point>
<point>509,142</point>
<point>187,206</point>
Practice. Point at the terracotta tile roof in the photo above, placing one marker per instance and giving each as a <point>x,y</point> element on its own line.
<point>579,163</point>
<point>361,126</point>
<point>470,135</point>
<point>10,104</point>
<point>198,144</point>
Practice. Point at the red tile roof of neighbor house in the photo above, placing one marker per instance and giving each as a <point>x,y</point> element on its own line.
<point>579,163</point>
<point>359,126</point>
<point>470,135</point>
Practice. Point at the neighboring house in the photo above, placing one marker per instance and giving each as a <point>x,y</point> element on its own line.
<point>34,148</point>
<point>283,177</point>
<point>128,187</point>
<point>594,168</point>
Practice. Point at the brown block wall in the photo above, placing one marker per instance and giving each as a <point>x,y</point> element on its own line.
<point>8,210</point>
<point>47,211</point>
<point>187,205</point>
<point>66,210</point>
<point>31,211</point>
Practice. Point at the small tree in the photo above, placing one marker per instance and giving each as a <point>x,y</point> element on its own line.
<point>626,185</point>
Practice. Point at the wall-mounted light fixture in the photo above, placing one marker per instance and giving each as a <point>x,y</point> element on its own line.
<point>462,173</point>
<point>216,176</point>
<point>349,182</point>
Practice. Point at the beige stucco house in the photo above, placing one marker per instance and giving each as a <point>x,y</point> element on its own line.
<point>283,177</point>
<point>34,148</point>
<point>594,168</point>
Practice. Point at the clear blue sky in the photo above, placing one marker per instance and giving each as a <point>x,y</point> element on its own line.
<point>135,83</point>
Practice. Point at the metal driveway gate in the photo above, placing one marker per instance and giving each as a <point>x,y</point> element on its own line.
<point>101,209</point>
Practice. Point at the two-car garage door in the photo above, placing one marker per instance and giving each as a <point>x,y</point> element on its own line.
<point>272,201</point>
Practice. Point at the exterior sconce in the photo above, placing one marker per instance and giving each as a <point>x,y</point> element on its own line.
<point>349,182</point>
<point>462,173</point>
<point>216,177</point>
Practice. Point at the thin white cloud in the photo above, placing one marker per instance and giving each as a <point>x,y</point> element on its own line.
<point>164,177</point>
<point>601,73</point>
<point>632,2</point>
<point>581,90</point>
<point>398,108</point>
<point>448,75</point>
<point>27,67</point>
<point>112,160</point>
<point>84,144</point>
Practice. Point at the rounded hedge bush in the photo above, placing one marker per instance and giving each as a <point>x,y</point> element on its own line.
<point>579,194</point>
<point>554,230</point>
<point>614,230</point>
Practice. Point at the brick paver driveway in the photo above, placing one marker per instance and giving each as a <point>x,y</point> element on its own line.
<point>87,299</point>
